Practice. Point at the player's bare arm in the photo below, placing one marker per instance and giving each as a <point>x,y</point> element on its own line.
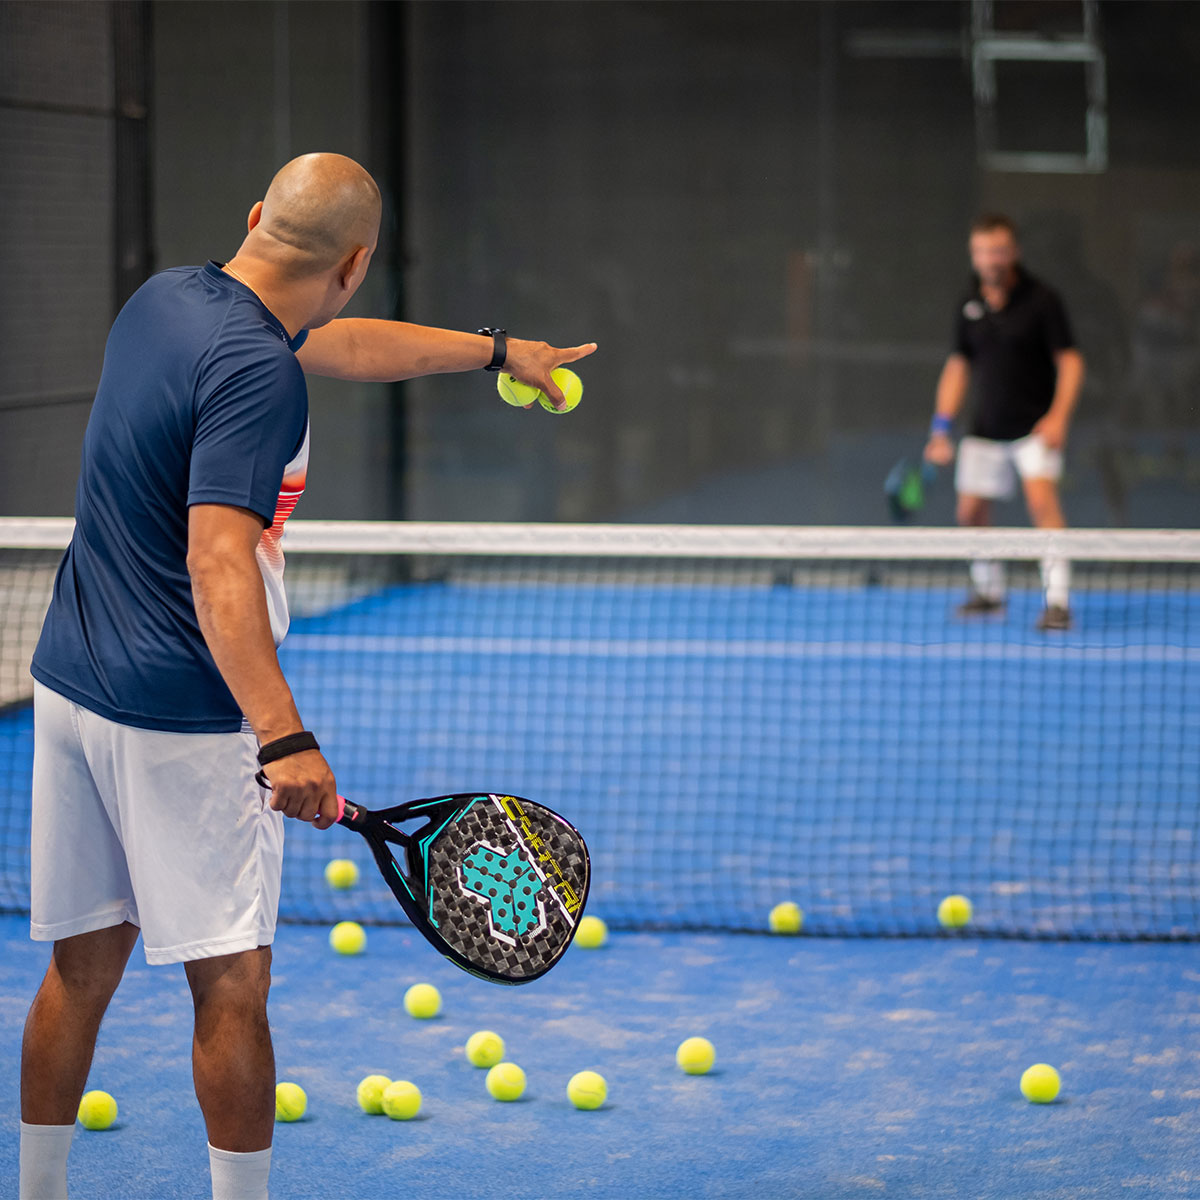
<point>1052,428</point>
<point>375,351</point>
<point>231,607</point>
<point>951,393</point>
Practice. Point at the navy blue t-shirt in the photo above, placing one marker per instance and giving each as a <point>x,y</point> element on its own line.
<point>201,401</point>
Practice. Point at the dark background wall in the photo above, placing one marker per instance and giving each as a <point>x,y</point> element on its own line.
<point>757,212</point>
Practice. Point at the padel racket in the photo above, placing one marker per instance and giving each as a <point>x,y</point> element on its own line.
<point>497,884</point>
<point>907,487</point>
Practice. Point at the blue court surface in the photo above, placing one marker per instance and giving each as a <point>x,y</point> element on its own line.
<point>845,1068</point>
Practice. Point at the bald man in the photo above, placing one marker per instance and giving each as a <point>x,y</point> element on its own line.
<point>158,692</point>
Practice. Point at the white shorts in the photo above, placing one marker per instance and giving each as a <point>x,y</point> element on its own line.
<point>990,469</point>
<point>168,831</point>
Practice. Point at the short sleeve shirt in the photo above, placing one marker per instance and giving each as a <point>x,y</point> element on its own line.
<point>1011,352</point>
<point>201,401</point>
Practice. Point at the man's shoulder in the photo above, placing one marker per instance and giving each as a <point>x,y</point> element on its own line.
<point>1038,290</point>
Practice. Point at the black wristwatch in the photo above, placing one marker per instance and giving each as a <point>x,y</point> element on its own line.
<point>499,347</point>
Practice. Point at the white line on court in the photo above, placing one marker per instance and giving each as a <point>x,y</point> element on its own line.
<point>708,648</point>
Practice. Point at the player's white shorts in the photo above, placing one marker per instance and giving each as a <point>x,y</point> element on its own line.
<point>990,469</point>
<point>166,830</point>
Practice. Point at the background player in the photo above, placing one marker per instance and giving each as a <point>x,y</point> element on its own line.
<point>1015,353</point>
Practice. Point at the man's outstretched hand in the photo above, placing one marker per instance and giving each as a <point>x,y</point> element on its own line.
<point>532,362</point>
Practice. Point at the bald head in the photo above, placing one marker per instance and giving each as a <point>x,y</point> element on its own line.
<point>319,209</point>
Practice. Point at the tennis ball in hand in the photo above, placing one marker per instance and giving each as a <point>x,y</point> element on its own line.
<point>696,1055</point>
<point>1040,1084</point>
<point>485,1048</point>
<point>370,1093</point>
<point>954,912</point>
<point>506,1081</point>
<point>513,391</point>
<point>402,1100</point>
<point>786,918</point>
<point>571,387</point>
<point>290,1102</point>
<point>341,874</point>
<point>97,1110</point>
<point>348,937</point>
<point>587,1090</point>
<point>591,934</point>
<point>423,1001</point>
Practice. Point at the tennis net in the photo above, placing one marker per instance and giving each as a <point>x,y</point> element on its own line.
<point>736,716</point>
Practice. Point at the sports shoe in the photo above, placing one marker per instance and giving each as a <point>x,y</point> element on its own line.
<point>977,605</point>
<point>1054,617</point>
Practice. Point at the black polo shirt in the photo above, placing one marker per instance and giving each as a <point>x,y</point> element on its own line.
<point>1011,352</point>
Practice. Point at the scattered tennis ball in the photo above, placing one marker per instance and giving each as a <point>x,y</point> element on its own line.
<point>506,1081</point>
<point>786,918</point>
<point>587,1090</point>
<point>513,391</point>
<point>348,937</point>
<point>341,874</point>
<point>290,1102</point>
<point>402,1100</point>
<point>97,1110</point>
<point>696,1055</point>
<point>571,387</point>
<point>1040,1084</point>
<point>591,934</point>
<point>422,1001</point>
<point>954,912</point>
<point>485,1048</point>
<point>370,1093</point>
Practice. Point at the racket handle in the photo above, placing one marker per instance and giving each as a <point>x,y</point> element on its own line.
<point>348,812</point>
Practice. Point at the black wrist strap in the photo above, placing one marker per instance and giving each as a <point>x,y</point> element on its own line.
<point>293,743</point>
<point>499,347</point>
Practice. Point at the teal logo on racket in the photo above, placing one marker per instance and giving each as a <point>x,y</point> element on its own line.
<point>509,886</point>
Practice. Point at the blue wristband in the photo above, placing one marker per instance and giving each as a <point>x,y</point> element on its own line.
<point>941,424</point>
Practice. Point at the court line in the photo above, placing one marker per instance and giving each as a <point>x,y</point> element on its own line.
<point>1131,654</point>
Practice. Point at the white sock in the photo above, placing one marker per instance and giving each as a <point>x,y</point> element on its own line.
<point>44,1150</point>
<point>239,1176</point>
<point>987,578</point>
<point>1056,580</point>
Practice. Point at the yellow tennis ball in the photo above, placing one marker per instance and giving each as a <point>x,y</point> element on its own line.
<point>423,1001</point>
<point>348,937</point>
<point>402,1100</point>
<point>97,1110</point>
<point>1040,1084</point>
<point>587,1090</point>
<point>506,1081</point>
<point>341,874</point>
<point>591,934</point>
<point>696,1055</point>
<point>571,387</point>
<point>485,1048</point>
<point>954,912</point>
<point>370,1093</point>
<point>786,918</point>
<point>290,1102</point>
<point>513,391</point>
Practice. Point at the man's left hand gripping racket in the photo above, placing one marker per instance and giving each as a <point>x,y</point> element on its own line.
<point>496,883</point>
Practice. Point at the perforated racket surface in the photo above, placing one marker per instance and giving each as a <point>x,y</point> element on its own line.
<point>496,883</point>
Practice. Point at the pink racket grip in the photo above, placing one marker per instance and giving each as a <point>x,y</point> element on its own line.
<point>341,807</point>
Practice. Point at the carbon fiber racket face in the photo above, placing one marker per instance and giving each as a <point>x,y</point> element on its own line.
<point>505,881</point>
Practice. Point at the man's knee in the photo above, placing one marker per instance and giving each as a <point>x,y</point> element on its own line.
<point>973,510</point>
<point>89,966</point>
<point>232,982</point>
<point>1041,497</point>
